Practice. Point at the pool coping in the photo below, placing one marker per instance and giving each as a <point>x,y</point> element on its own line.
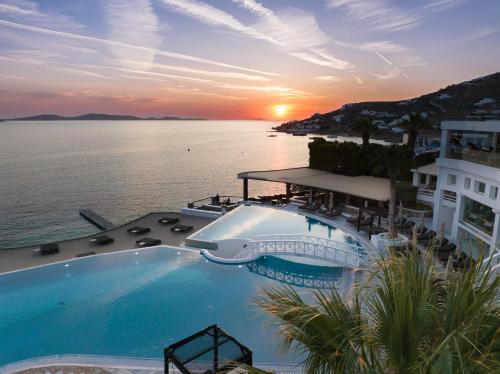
<point>119,362</point>
<point>212,245</point>
<point>99,255</point>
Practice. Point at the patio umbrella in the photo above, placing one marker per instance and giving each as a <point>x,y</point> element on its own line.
<point>401,209</point>
<point>330,202</point>
<point>449,266</point>
<point>310,199</point>
<point>441,232</point>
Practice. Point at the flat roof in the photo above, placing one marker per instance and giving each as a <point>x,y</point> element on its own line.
<point>367,187</point>
<point>430,169</point>
<point>488,125</point>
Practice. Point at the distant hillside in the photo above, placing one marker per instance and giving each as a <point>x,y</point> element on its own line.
<point>97,117</point>
<point>477,99</point>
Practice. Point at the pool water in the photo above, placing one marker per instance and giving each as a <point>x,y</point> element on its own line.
<point>251,221</point>
<point>136,303</point>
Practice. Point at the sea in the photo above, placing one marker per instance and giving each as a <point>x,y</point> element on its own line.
<point>125,169</point>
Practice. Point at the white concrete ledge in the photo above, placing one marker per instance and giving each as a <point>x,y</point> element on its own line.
<point>200,213</point>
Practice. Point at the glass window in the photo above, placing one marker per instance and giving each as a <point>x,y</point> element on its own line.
<point>467,183</point>
<point>452,179</point>
<point>479,187</point>
<point>493,192</point>
<point>475,146</point>
<point>478,215</point>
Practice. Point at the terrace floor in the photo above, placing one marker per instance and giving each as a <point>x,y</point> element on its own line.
<point>20,258</point>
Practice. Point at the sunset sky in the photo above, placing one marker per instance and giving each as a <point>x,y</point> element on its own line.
<point>227,59</point>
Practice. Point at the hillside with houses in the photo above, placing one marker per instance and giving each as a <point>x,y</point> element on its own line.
<point>477,99</point>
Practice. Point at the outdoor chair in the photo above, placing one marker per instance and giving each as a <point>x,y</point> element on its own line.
<point>137,230</point>
<point>352,219</point>
<point>101,240</point>
<point>462,261</point>
<point>335,212</point>
<point>181,228</point>
<point>168,220</point>
<point>47,249</point>
<point>147,242</point>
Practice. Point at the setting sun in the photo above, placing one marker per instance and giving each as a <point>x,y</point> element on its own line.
<point>281,110</point>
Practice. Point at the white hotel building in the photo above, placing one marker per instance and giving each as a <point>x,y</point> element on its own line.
<point>463,185</point>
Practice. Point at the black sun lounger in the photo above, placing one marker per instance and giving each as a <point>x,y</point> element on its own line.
<point>168,220</point>
<point>102,240</point>
<point>137,230</point>
<point>147,242</point>
<point>47,249</point>
<point>181,228</point>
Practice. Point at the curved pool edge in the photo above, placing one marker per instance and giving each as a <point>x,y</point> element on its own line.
<point>154,365</point>
<point>187,249</point>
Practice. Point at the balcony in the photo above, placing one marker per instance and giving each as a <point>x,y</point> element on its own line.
<point>486,158</point>
<point>478,215</point>
<point>450,196</point>
<point>426,191</point>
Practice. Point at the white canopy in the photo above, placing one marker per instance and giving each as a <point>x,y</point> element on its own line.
<point>363,186</point>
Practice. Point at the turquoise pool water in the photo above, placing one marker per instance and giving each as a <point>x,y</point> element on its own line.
<point>250,221</point>
<point>136,303</point>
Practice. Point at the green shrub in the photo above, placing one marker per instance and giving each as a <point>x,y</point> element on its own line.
<point>349,158</point>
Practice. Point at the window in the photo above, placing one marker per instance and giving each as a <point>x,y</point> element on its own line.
<point>478,215</point>
<point>467,183</point>
<point>479,187</point>
<point>493,192</point>
<point>475,146</point>
<point>423,179</point>
<point>452,179</point>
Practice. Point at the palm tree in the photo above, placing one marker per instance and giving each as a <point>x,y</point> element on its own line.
<point>364,126</point>
<point>415,125</point>
<point>396,159</point>
<point>409,316</point>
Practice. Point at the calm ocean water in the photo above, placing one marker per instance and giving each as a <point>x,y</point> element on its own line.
<point>124,169</point>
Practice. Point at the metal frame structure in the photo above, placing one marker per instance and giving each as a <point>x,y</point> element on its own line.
<point>178,353</point>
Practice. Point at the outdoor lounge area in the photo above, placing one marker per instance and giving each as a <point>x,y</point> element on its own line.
<point>362,200</point>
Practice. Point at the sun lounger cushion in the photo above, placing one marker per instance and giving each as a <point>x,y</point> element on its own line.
<point>48,249</point>
<point>102,240</point>
<point>137,230</point>
<point>168,220</point>
<point>181,228</point>
<point>147,242</point>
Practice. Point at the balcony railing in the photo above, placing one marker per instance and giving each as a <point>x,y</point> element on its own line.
<point>426,191</point>
<point>476,156</point>
<point>450,196</point>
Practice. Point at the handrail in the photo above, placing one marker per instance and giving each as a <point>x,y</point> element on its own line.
<point>302,245</point>
<point>209,197</point>
<point>313,239</point>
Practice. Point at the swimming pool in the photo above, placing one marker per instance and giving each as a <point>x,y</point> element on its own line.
<point>252,221</point>
<point>135,303</point>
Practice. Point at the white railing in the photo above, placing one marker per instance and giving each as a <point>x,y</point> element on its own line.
<point>450,196</point>
<point>494,261</point>
<point>426,191</point>
<point>313,240</point>
<point>304,245</point>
